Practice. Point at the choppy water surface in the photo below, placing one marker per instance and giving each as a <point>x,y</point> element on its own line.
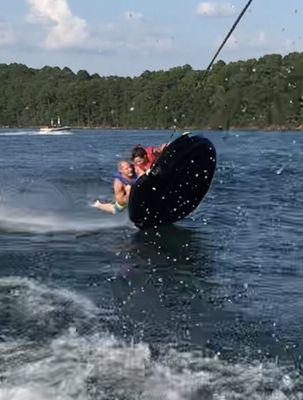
<point>92,308</point>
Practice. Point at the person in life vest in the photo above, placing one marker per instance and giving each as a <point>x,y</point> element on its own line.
<point>144,157</point>
<point>123,180</point>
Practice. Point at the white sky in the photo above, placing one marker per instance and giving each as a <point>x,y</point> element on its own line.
<point>130,36</point>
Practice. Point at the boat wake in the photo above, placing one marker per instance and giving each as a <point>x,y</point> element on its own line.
<point>76,358</point>
<point>34,132</point>
<point>54,132</point>
<point>30,221</point>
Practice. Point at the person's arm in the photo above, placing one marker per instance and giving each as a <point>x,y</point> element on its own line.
<point>158,150</point>
<point>121,192</point>
<point>139,172</point>
<point>162,146</point>
<point>127,190</point>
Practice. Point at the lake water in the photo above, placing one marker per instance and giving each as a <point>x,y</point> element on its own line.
<point>93,308</point>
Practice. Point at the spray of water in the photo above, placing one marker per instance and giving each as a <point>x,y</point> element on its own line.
<point>37,206</point>
<point>26,220</point>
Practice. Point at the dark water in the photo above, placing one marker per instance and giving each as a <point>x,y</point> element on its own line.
<point>92,308</point>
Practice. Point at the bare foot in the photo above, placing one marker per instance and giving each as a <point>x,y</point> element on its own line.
<point>96,204</point>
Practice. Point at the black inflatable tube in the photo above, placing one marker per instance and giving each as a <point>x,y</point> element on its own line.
<point>176,184</point>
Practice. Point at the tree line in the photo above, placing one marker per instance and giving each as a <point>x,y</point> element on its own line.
<point>256,93</point>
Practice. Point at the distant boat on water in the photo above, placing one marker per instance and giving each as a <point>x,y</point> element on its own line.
<point>55,127</point>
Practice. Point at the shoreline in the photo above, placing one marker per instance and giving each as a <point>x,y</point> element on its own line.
<point>270,128</point>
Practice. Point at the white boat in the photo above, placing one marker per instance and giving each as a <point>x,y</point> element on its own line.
<point>55,128</point>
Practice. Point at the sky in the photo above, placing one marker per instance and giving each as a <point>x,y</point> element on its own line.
<point>128,37</point>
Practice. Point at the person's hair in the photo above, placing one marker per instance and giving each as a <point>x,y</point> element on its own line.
<point>138,151</point>
<point>121,162</point>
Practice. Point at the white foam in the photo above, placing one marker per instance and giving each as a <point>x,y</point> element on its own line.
<point>39,308</point>
<point>99,365</point>
<point>103,367</point>
<point>26,393</point>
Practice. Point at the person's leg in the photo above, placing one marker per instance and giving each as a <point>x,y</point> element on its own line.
<point>119,207</point>
<point>108,207</point>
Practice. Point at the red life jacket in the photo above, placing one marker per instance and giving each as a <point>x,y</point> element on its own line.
<point>151,157</point>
